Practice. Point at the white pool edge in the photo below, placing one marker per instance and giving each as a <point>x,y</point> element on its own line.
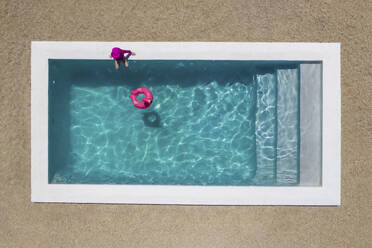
<point>327,194</point>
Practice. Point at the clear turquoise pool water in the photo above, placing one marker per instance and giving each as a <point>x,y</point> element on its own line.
<point>211,123</point>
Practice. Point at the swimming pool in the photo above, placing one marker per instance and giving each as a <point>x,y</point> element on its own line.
<point>214,122</point>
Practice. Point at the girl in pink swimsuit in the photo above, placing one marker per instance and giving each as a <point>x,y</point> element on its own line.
<point>119,55</point>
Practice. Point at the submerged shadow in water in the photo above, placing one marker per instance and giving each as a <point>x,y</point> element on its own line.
<point>151,119</point>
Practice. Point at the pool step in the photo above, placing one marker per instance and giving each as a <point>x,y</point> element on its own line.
<point>287,162</point>
<point>277,127</point>
<point>266,128</point>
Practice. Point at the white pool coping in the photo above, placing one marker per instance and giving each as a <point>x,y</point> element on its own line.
<point>326,194</point>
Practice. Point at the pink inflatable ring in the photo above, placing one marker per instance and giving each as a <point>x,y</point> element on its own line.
<point>146,101</point>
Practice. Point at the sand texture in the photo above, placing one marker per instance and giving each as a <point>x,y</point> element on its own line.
<point>26,224</point>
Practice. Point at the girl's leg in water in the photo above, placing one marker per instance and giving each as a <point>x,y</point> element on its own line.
<point>125,60</point>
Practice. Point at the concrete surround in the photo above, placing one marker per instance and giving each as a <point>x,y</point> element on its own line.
<point>328,193</point>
